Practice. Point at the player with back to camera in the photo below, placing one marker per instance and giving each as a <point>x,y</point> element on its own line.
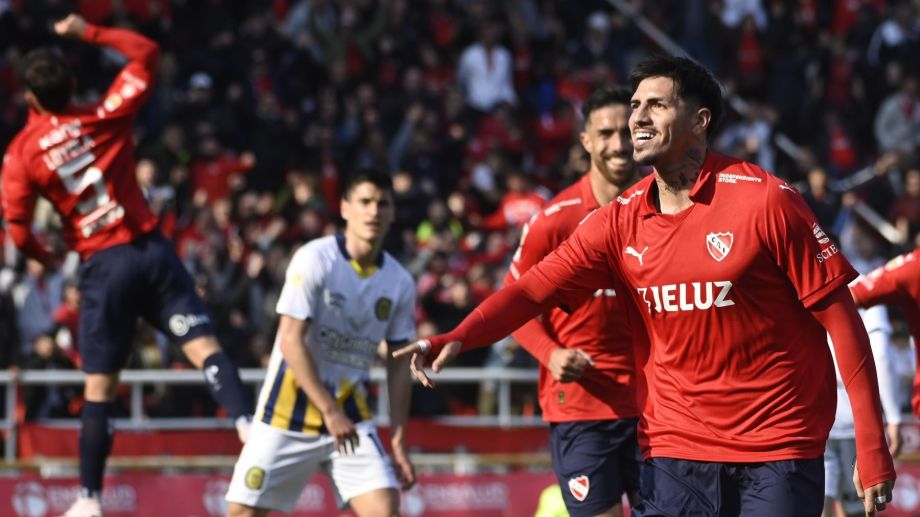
<point>587,364</point>
<point>342,296</point>
<point>82,160</point>
<point>738,287</point>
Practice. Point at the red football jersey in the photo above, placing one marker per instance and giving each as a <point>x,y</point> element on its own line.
<point>601,325</point>
<point>740,370</point>
<point>895,283</point>
<point>83,160</point>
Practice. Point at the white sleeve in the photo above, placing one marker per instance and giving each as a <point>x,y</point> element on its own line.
<point>303,283</point>
<point>879,329</point>
<point>402,324</point>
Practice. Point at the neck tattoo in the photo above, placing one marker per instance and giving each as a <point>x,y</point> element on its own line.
<point>684,175</point>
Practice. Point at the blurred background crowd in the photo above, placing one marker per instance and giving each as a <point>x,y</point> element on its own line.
<point>262,107</point>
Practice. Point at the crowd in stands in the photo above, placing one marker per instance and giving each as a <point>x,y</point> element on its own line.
<point>262,107</point>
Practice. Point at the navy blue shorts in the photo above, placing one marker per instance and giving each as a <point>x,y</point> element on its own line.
<point>117,285</point>
<point>674,488</point>
<point>596,461</point>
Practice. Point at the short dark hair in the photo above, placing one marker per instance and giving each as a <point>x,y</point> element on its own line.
<point>603,97</point>
<point>379,179</point>
<point>48,77</point>
<point>692,82</point>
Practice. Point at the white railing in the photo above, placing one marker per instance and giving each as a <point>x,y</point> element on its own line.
<point>137,379</point>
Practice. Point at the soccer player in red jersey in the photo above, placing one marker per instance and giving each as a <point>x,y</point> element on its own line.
<point>896,283</point>
<point>82,161</point>
<point>587,375</point>
<point>736,283</point>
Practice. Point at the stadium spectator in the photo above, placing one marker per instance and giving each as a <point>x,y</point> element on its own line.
<point>216,174</point>
<point>519,203</point>
<point>49,401</point>
<point>36,295</point>
<point>749,138</point>
<point>9,329</point>
<point>824,202</point>
<point>67,320</point>
<point>905,212</point>
<point>897,123</point>
<point>896,37</point>
<point>484,70</point>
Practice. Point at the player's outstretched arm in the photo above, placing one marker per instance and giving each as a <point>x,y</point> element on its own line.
<point>576,268</point>
<point>135,47</point>
<point>564,364</point>
<point>838,314</point>
<point>492,320</point>
<point>418,355</point>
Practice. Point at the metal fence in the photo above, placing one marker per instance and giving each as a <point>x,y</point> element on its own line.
<point>503,378</point>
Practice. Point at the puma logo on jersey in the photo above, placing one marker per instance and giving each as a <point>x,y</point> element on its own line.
<point>687,297</point>
<point>786,186</point>
<point>632,251</point>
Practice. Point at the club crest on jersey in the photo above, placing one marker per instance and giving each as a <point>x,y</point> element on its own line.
<point>719,244</point>
<point>579,487</point>
<point>382,308</point>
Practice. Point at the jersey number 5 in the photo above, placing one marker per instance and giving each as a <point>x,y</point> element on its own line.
<point>94,204</point>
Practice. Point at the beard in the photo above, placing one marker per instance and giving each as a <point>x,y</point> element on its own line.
<point>619,176</point>
<point>648,158</point>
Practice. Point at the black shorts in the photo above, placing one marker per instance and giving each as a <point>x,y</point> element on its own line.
<point>143,278</point>
<point>596,462</point>
<point>672,488</point>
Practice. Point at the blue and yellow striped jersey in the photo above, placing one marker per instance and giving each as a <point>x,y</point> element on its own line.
<point>350,312</point>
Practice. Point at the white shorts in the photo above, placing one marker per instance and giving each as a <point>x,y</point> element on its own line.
<point>275,466</point>
<point>838,474</point>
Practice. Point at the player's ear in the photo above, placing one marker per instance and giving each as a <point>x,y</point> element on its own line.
<point>343,208</point>
<point>701,121</point>
<point>585,141</point>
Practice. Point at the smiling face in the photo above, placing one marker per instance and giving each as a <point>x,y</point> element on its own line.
<point>663,125</point>
<point>607,139</point>
<point>368,211</point>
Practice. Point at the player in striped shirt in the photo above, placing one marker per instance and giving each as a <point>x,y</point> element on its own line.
<point>342,296</point>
